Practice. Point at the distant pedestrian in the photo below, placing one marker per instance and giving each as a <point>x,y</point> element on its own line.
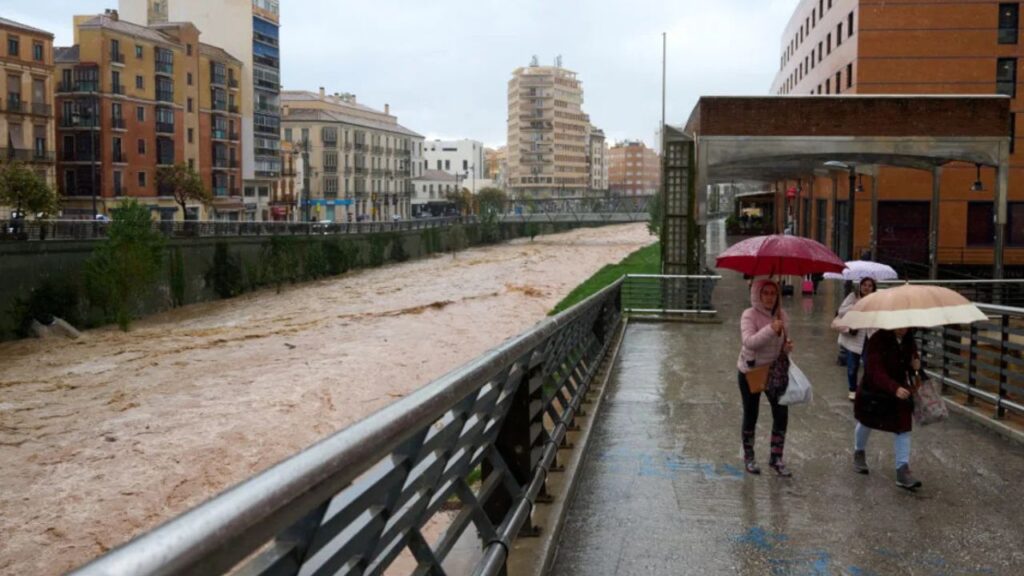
<point>851,342</point>
<point>763,329</point>
<point>885,399</point>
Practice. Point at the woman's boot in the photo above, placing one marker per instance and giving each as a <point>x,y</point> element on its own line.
<point>775,462</point>
<point>748,453</point>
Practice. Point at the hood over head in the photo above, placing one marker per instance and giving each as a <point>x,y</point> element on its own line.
<point>755,295</point>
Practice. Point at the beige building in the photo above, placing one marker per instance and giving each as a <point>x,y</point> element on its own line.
<point>360,159</point>
<point>26,112</point>
<point>249,31</point>
<point>633,169</point>
<point>547,133</point>
<point>597,160</point>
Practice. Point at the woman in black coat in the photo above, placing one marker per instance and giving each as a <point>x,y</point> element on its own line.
<point>885,399</point>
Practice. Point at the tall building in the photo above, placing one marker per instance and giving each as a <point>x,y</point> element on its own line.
<point>497,166</point>
<point>249,31</point>
<point>361,160</point>
<point>132,99</point>
<point>463,157</point>
<point>633,169</point>
<point>597,160</point>
<point>842,47</point>
<point>26,113</point>
<point>547,133</point>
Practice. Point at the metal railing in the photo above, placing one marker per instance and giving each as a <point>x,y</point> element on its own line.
<point>1003,292</point>
<point>984,360</point>
<point>353,502</point>
<point>666,296</point>
<point>53,230</point>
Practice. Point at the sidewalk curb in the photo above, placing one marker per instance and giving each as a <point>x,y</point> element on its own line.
<point>985,420</point>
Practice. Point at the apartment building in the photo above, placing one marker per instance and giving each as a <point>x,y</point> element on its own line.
<point>132,99</point>
<point>361,160</point>
<point>248,30</point>
<point>547,133</point>
<point>464,157</point>
<point>846,47</point>
<point>633,169</point>
<point>26,109</point>
<point>597,160</point>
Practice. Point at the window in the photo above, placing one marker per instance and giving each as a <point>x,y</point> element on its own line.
<point>839,35</point>
<point>189,104</point>
<point>138,51</point>
<point>139,83</point>
<point>287,134</point>
<point>142,179</point>
<point>37,51</point>
<point>828,43</point>
<point>820,52</point>
<point>849,75</point>
<point>1006,77</point>
<point>981,229</point>
<point>305,134</point>
<point>189,78</point>
<point>438,164</point>
<point>812,58</point>
<point>849,24</point>
<point>142,147</point>
<point>839,81</point>
<point>1008,23</point>
<point>814,17</point>
<point>140,113</point>
<point>828,86</point>
<point>447,164</point>
<point>190,135</point>
<point>188,49</point>
<point>12,45</point>
<point>465,165</point>
<point>821,8</point>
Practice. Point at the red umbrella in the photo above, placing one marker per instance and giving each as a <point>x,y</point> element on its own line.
<point>780,255</point>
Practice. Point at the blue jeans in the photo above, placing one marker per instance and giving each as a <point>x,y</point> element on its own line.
<point>853,361</point>
<point>900,444</point>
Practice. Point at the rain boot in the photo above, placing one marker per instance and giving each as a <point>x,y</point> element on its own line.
<point>775,462</point>
<point>749,463</point>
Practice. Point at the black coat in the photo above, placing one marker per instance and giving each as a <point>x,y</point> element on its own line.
<point>887,367</point>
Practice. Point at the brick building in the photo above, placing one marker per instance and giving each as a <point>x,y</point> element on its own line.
<point>132,99</point>
<point>849,47</point>
<point>633,169</point>
<point>26,110</point>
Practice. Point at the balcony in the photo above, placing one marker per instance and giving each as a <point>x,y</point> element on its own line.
<point>224,163</point>
<point>118,157</point>
<point>16,106</point>
<point>217,134</point>
<point>220,106</point>
<point>117,58</point>
<point>117,89</point>
<point>41,109</point>
<point>165,95</point>
<point>86,86</point>
<point>117,123</point>
<point>220,191</point>
<point>218,80</point>
<point>164,68</point>
<point>165,160</point>
<point>233,83</point>
<point>27,155</point>
<point>79,122</point>
<point>377,150</point>
<point>360,147</point>
<point>347,146</point>
<point>165,127</point>
<point>233,108</point>
<point>361,171</point>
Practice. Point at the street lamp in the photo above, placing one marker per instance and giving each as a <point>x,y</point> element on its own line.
<point>977,186</point>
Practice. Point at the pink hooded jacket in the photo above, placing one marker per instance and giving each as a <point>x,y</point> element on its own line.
<point>760,343</point>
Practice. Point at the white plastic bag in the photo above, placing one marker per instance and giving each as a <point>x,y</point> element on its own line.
<point>799,389</point>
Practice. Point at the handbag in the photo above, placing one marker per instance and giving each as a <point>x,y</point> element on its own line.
<point>778,373</point>
<point>929,407</point>
<point>799,389</point>
<point>757,378</point>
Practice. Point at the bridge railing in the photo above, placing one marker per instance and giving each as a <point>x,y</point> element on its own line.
<point>37,230</point>
<point>665,295</point>
<point>983,360</point>
<point>1007,292</point>
<point>353,502</point>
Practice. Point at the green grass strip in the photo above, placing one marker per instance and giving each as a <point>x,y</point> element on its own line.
<point>643,261</point>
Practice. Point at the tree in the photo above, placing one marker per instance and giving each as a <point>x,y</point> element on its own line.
<point>184,184</point>
<point>463,201</point>
<point>123,269</point>
<point>25,192</point>
<point>492,200</point>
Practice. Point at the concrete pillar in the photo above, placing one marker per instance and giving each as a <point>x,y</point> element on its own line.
<point>835,214</point>
<point>874,217</point>
<point>1002,187</point>
<point>933,225</point>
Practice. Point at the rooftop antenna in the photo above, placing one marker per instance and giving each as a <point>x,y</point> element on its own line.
<point>534,62</point>
<point>558,61</point>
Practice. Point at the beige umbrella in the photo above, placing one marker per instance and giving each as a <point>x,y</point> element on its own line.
<point>910,306</point>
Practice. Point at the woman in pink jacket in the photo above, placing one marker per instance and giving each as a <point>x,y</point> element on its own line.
<point>763,328</point>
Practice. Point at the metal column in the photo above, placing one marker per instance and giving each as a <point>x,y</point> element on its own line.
<point>1002,187</point>
<point>933,225</point>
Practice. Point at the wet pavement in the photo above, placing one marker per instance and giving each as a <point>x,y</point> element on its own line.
<point>662,490</point>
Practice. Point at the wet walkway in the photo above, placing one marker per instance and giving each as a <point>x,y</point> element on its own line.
<point>662,490</point>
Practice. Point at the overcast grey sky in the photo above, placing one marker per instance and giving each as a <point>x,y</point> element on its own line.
<point>444,65</point>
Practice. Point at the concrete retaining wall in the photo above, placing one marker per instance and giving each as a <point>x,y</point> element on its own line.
<point>25,266</point>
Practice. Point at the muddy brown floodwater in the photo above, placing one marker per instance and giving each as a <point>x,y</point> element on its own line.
<point>107,436</point>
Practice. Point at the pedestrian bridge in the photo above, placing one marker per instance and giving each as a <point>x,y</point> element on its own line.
<point>600,443</point>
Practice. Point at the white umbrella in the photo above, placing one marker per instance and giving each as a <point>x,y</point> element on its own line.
<point>910,306</point>
<point>859,269</point>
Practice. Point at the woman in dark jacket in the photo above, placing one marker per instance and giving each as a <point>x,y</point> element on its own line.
<point>885,399</point>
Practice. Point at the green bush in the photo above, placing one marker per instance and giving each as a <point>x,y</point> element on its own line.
<point>340,255</point>
<point>126,266</point>
<point>398,253</point>
<point>281,261</point>
<point>378,245</point>
<point>315,262</point>
<point>225,273</point>
<point>457,238</point>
